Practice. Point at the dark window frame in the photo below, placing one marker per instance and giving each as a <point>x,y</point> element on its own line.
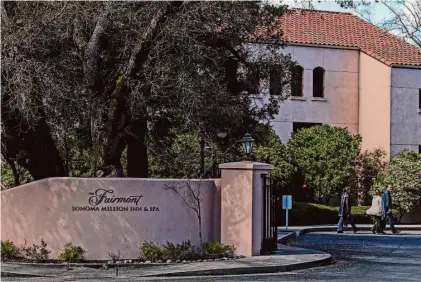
<point>419,99</point>
<point>297,77</point>
<point>299,125</point>
<point>275,81</point>
<point>319,82</point>
<point>253,81</point>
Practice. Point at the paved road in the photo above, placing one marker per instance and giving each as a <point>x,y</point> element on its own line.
<point>358,257</point>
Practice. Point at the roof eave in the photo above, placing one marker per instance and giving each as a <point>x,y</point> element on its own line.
<point>406,66</point>
<point>323,46</point>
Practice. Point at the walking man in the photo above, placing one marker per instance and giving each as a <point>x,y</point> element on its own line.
<point>387,207</point>
<point>345,212</point>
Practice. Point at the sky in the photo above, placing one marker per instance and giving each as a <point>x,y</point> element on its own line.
<point>380,12</point>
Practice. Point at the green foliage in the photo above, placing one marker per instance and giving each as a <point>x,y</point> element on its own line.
<point>404,173</point>
<point>72,253</point>
<point>9,251</point>
<point>272,151</point>
<point>178,159</point>
<point>215,249</point>
<point>324,155</point>
<point>367,167</point>
<point>314,214</point>
<point>8,179</point>
<point>183,251</point>
<point>151,251</point>
<point>37,253</point>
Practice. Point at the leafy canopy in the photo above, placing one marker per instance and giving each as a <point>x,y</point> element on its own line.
<point>324,154</point>
<point>404,173</point>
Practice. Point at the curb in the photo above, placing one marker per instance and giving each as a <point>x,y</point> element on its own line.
<point>94,265</point>
<point>296,233</point>
<point>248,270</point>
<point>288,238</point>
<point>22,275</point>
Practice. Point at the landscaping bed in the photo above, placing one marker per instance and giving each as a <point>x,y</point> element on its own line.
<point>149,254</point>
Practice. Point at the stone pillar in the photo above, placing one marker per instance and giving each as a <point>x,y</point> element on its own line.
<point>242,205</point>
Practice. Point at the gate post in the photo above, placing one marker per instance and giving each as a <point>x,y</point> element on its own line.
<point>242,205</point>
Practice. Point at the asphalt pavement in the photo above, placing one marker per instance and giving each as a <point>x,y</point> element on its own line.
<point>358,257</point>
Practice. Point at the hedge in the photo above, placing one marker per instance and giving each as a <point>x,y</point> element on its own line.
<point>315,214</point>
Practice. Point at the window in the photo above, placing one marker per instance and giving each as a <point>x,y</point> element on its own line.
<point>275,87</point>
<point>298,125</point>
<point>419,149</point>
<point>253,80</point>
<point>297,81</point>
<point>419,99</point>
<point>318,82</point>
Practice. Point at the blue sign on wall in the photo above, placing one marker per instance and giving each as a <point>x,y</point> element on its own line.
<point>287,202</point>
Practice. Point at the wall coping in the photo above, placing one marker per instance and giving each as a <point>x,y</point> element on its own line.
<point>248,165</point>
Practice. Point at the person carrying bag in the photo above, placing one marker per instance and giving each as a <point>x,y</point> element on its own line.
<point>377,212</point>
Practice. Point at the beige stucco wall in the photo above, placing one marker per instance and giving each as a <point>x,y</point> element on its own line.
<point>43,209</point>
<point>242,206</point>
<point>374,103</point>
<point>340,106</point>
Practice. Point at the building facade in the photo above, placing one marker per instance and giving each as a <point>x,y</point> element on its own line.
<point>351,74</point>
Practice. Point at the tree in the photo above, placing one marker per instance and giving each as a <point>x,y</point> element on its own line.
<point>324,155</point>
<point>111,76</point>
<point>190,194</point>
<point>404,19</point>
<point>367,166</point>
<point>404,173</point>
<point>272,151</point>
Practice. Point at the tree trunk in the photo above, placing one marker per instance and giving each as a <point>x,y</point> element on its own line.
<point>33,148</point>
<point>202,155</point>
<point>16,177</point>
<point>116,142</point>
<point>117,123</point>
<point>137,154</point>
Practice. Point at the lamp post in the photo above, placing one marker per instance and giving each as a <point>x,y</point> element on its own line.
<point>247,143</point>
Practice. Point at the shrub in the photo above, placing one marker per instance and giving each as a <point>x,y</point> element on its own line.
<point>314,214</point>
<point>115,257</point>
<point>324,154</point>
<point>215,249</point>
<point>183,251</point>
<point>404,173</point>
<point>9,251</point>
<point>151,251</point>
<point>72,253</point>
<point>37,253</point>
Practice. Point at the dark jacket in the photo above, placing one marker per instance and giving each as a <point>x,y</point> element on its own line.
<point>345,208</point>
<point>387,201</point>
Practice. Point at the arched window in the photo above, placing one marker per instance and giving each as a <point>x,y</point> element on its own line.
<point>253,80</point>
<point>318,82</point>
<point>275,84</point>
<point>297,81</point>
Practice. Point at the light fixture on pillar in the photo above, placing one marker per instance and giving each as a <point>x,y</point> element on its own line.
<point>247,143</point>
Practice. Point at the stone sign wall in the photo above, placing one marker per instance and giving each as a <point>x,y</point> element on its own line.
<point>107,215</point>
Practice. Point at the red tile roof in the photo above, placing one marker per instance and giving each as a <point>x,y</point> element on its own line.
<point>346,30</point>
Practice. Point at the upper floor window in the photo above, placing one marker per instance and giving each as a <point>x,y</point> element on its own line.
<point>318,82</point>
<point>275,87</point>
<point>297,81</point>
<point>253,80</point>
<point>419,100</point>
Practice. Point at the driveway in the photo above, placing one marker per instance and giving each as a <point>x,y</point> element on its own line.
<point>358,257</point>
